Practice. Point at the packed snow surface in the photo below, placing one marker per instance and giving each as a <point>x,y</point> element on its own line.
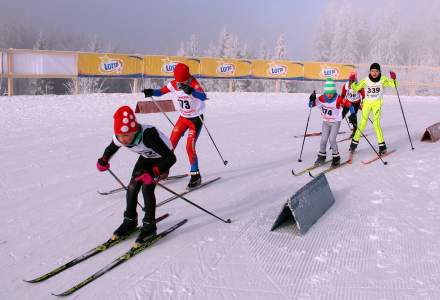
<point>380,240</point>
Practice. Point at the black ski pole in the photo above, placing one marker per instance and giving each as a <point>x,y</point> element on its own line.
<point>192,203</point>
<point>122,184</point>
<point>403,114</point>
<point>225,162</point>
<point>305,132</point>
<point>161,110</point>
<point>372,147</point>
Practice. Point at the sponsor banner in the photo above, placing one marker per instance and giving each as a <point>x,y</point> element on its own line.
<point>163,66</point>
<point>225,68</point>
<point>321,71</point>
<point>41,63</point>
<point>279,69</point>
<point>1,62</point>
<point>109,65</point>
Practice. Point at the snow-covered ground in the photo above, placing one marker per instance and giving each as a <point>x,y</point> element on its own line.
<point>380,240</point>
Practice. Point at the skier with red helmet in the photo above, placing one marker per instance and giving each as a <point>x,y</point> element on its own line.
<point>188,97</point>
<point>155,159</point>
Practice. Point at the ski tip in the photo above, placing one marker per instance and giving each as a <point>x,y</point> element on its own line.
<point>30,281</point>
<point>60,295</point>
<point>310,174</point>
<point>293,173</point>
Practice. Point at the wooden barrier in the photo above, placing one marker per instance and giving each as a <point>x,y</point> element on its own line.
<point>147,107</point>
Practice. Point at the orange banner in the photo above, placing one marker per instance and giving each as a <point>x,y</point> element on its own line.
<point>225,68</point>
<point>163,66</point>
<point>109,65</point>
<point>321,71</point>
<point>278,69</point>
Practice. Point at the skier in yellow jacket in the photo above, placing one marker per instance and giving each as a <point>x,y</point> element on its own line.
<point>373,85</point>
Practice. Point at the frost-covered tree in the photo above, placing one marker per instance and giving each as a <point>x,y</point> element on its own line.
<point>385,40</point>
<point>193,45</point>
<point>280,48</point>
<point>190,48</point>
<point>90,85</point>
<point>181,51</point>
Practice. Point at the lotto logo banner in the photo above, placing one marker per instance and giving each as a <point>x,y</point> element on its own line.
<point>163,66</point>
<point>282,69</point>
<point>109,65</point>
<point>225,68</point>
<point>322,71</point>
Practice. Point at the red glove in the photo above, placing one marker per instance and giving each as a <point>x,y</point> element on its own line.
<point>102,164</point>
<point>352,76</point>
<point>393,75</point>
<point>146,178</point>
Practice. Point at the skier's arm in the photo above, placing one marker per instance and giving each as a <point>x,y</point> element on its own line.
<point>152,140</point>
<point>156,92</point>
<point>341,101</point>
<point>344,91</point>
<point>388,82</point>
<point>110,150</point>
<point>357,86</point>
<point>362,91</point>
<point>198,91</point>
<point>103,162</point>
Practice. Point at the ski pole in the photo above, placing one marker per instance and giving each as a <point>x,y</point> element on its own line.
<point>225,162</point>
<point>123,185</point>
<point>161,110</point>
<point>192,203</point>
<point>305,133</point>
<point>403,114</point>
<point>372,147</point>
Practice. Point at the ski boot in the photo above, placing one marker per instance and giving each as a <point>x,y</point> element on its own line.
<point>195,180</point>
<point>321,159</point>
<point>336,161</point>
<point>382,148</point>
<point>127,227</point>
<point>147,230</point>
<point>353,146</point>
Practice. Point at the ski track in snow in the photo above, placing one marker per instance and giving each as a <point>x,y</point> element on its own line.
<point>378,241</point>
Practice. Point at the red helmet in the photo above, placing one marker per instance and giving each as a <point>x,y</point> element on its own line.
<point>181,72</point>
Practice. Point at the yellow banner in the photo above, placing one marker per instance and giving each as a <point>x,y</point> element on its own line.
<point>282,69</point>
<point>163,66</point>
<point>225,68</point>
<point>321,71</point>
<point>109,65</point>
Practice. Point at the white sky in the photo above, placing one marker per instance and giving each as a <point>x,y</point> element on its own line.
<point>155,27</point>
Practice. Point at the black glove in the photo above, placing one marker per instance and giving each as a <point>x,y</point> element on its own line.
<point>148,92</point>
<point>312,96</point>
<point>186,88</point>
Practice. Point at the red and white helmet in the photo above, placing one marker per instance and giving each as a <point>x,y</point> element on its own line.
<point>125,120</point>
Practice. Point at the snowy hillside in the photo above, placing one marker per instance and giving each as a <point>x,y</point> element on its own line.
<point>380,240</point>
